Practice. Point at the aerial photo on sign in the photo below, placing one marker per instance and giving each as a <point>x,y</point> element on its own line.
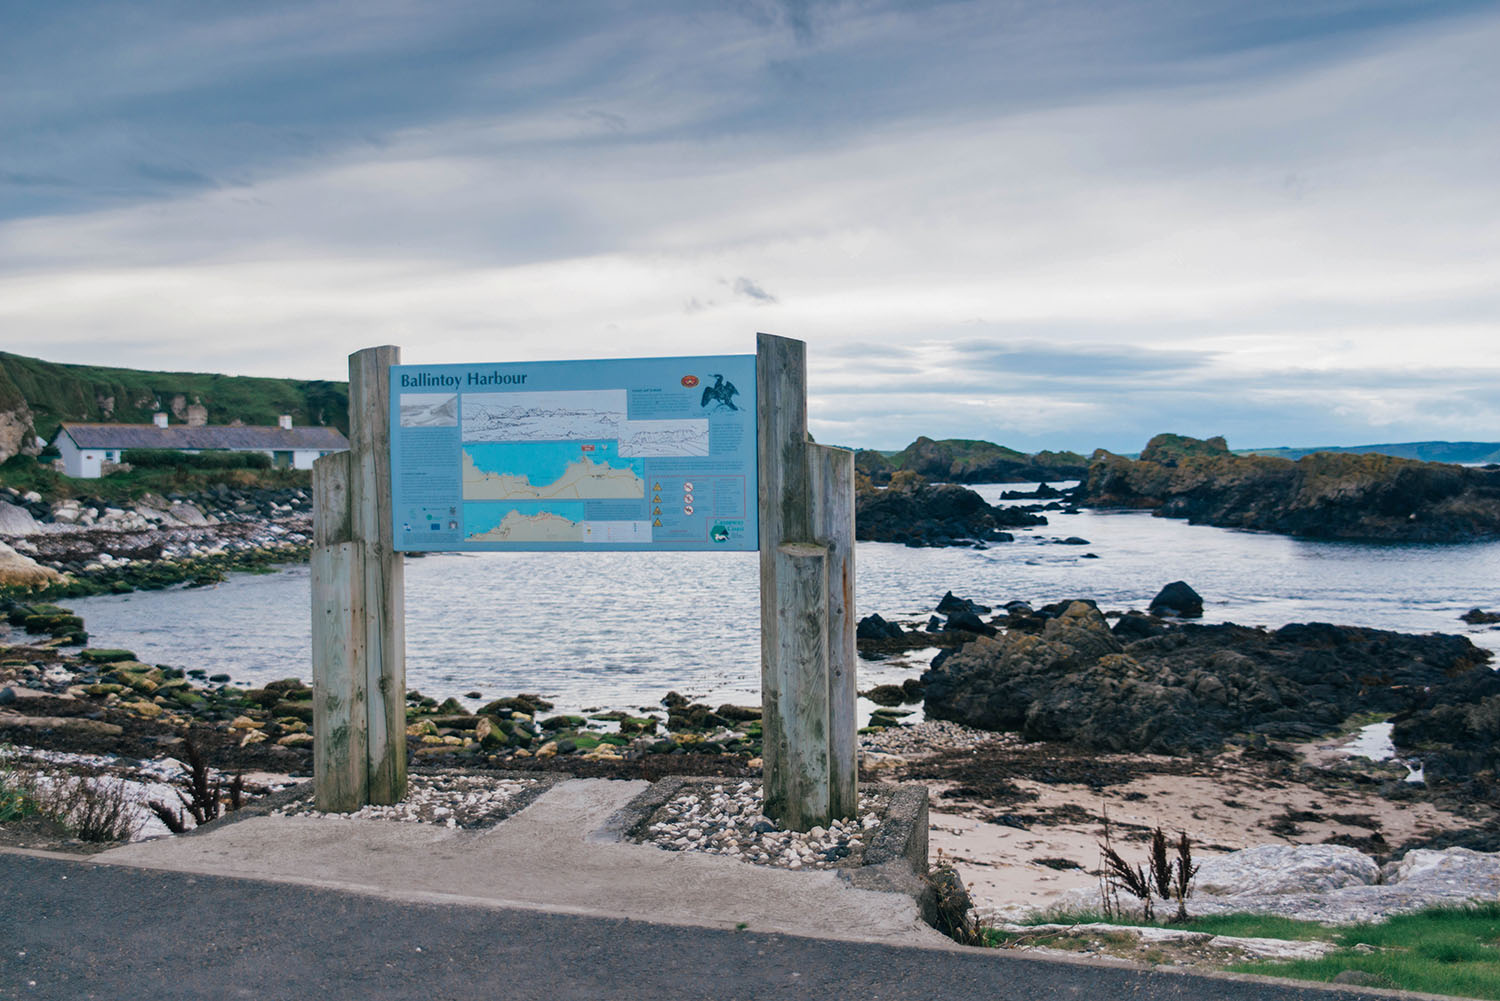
<point>626,454</point>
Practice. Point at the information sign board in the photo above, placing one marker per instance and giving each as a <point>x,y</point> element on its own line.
<point>625,454</point>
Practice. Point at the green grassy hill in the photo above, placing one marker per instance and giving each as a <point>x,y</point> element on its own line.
<point>56,392</point>
<point>1462,452</point>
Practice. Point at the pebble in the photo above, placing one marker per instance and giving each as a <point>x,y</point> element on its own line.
<point>727,820</point>
<point>445,800</point>
<point>927,737</point>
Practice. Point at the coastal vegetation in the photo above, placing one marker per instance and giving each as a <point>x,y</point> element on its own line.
<point>195,476</point>
<point>51,392</point>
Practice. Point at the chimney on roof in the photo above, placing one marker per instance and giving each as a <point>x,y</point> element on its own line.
<point>285,422</point>
<point>159,419</point>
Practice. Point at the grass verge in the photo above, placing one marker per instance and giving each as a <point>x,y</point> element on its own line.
<point>1441,950</point>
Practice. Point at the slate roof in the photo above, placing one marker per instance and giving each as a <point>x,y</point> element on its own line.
<point>271,439</point>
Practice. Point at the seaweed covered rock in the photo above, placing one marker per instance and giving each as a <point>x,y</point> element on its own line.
<point>1191,687</point>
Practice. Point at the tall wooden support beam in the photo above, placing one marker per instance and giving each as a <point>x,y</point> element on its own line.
<point>384,580</point>
<point>358,607</point>
<point>832,485</point>
<point>340,769</point>
<point>807,601</point>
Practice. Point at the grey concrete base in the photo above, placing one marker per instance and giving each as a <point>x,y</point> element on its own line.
<point>561,853</point>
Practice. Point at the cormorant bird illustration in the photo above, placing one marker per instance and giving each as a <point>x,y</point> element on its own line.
<point>723,392</point>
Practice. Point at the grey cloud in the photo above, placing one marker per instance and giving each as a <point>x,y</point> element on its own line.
<point>1077,361</point>
<point>750,290</point>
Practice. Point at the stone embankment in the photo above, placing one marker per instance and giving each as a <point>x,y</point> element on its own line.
<point>73,547</point>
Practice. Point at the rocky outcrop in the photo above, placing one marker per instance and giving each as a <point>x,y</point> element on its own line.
<point>959,460</point>
<point>1324,495</point>
<point>918,513</point>
<point>18,571</point>
<point>17,434</point>
<point>1191,687</point>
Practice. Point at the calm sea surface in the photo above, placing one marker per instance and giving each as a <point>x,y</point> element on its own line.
<point>621,629</point>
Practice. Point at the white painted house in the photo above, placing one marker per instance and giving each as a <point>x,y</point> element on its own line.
<point>86,448</point>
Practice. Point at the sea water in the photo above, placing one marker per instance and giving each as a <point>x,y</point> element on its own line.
<point>621,629</point>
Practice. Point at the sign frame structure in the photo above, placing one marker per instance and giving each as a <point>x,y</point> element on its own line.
<point>631,454</point>
<point>805,533</point>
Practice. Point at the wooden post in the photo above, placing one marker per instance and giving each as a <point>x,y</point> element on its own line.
<point>358,607</point>
<point>340,773</point>
<point>384,582</point>
<point>832,485</point>
<point>806,508</point>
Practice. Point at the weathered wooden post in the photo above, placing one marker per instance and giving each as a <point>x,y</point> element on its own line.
<point>358,606</point>
<point>807,601</point>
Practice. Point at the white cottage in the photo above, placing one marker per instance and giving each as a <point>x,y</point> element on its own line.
<point>86,448</point>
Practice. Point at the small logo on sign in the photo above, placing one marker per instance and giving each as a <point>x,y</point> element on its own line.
<point>690,381</point>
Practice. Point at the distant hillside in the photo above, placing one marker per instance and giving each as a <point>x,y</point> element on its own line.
<point>1462,452</point>
<point>36,395</point>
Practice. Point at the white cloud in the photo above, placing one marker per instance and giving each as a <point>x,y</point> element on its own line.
<point>1276,214</point>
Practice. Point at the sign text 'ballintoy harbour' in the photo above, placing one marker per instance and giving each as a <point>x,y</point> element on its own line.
<point>421,380</point>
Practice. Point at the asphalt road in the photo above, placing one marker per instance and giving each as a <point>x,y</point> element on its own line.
<point>74,930</point>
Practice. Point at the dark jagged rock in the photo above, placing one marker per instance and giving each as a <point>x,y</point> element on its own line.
<point>968,622</point>
<point>917,513</point>
<point>873,627</point>
<point>1479,617</point>
<point>1135,626</point>
<point>1177,599</point>
<point>1326,495</point>
<point>952,603</point>
<point>1043,492</point>
<point>1191,687</point>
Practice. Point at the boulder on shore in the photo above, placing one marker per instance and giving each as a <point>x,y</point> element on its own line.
<point>1177,599</point>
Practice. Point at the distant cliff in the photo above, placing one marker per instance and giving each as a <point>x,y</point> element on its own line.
<point>37,395</point>
<point>1326,495</point>
<point>963,460</point>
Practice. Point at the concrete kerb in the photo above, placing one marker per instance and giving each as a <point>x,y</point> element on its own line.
<point>895,860</point>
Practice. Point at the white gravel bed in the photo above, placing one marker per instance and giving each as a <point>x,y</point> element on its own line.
<point>726,820</point>
<point>926,737</point>
<point>447,800</point>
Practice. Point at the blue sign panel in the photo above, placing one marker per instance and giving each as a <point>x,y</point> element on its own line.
<point>627,454</point>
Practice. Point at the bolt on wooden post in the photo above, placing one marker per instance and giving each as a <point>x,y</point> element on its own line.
<point>358,607</point>
<point>806,513</point>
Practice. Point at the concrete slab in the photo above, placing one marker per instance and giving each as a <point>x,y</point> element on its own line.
<point>559,854</point>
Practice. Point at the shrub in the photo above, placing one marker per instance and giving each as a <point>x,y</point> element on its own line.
<point>166,458</point>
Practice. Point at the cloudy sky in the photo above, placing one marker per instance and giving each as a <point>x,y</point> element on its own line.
<point>1049,224</point>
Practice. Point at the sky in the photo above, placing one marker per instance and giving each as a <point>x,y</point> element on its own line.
<point>1048,224</point>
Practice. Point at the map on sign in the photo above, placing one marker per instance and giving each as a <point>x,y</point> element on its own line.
<point>631,454</point>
